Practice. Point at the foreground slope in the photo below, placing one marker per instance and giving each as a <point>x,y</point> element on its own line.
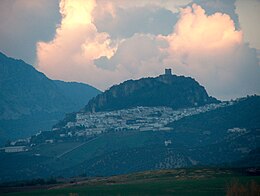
<point>200,181</point>
<point>29,101</point>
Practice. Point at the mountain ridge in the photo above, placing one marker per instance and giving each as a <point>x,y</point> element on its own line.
<point>164,90</point>
<point>26,92</point>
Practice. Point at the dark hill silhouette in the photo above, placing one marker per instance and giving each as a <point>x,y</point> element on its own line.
<point>164,90</point>
<point>29,101</point>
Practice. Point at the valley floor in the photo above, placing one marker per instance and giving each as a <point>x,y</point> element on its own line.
<point>163,182</point>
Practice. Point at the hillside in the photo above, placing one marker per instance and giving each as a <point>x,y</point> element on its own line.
<point>165,90</point>
<point>195,181</point>
<point>31,102</point>
<point>227,135</point>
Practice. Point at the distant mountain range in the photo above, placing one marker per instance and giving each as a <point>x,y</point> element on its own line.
<point>164,90</point>
<point>29,101</point>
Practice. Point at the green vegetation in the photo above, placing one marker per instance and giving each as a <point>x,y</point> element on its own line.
<point>249,189</point>
<point>173,91</point>
<point>164,182</point>
<point>244,114</point>
<point>52,150</point>
<point>195,141</point>
<point>31,102</point>
<point>103,145</point>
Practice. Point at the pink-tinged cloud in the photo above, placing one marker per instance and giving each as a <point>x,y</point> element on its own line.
<point>211,50</point>
<point>69,56</point>
<point>208,48</point>
<point>196,32</point>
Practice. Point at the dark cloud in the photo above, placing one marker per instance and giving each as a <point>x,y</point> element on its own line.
<point>103,63</point>
<point>223,6</point>
<point>128,21</point>
<point>225,65</point>
<point>140,52</point>
<point>24,23</point>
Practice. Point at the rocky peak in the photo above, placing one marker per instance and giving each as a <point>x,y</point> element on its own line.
<point>164,90</point>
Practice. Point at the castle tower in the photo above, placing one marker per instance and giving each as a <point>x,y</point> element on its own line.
<point>168,72</point>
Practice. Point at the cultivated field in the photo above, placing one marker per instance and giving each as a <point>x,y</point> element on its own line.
<point>164,182</point>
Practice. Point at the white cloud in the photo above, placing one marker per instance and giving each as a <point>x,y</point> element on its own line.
<point>70,55</point>
<point>206,47</point>
<point>210,49</point>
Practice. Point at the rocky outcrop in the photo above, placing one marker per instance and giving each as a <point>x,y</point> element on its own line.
<point>164,90</point>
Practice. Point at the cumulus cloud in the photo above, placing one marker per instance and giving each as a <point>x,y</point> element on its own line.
<point>196,32</point>
<point>140,55</point>
<point>70,55</point>
<point>207,47</point>
<point>222,6</point>
<point>80,53</point>
<point>210,49</point>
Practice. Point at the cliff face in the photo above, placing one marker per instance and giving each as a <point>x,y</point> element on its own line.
<point>165,90</point>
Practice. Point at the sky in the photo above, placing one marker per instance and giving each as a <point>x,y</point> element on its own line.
<point>105,42</point>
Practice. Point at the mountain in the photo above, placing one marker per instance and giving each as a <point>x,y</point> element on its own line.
<point>148,124</point>
<point>164,90</point>
<point>217,137</point>
<point>225,136</point>
<point>29,101</point>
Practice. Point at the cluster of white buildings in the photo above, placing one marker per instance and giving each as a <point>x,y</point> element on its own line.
<point>12,149</point>
<point>134,119</point>
<point>137,119</point>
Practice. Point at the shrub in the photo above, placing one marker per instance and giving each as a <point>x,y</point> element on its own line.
<point>238,189</point>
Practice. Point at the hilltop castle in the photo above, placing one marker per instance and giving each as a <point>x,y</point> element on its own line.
<point>168,72</point>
